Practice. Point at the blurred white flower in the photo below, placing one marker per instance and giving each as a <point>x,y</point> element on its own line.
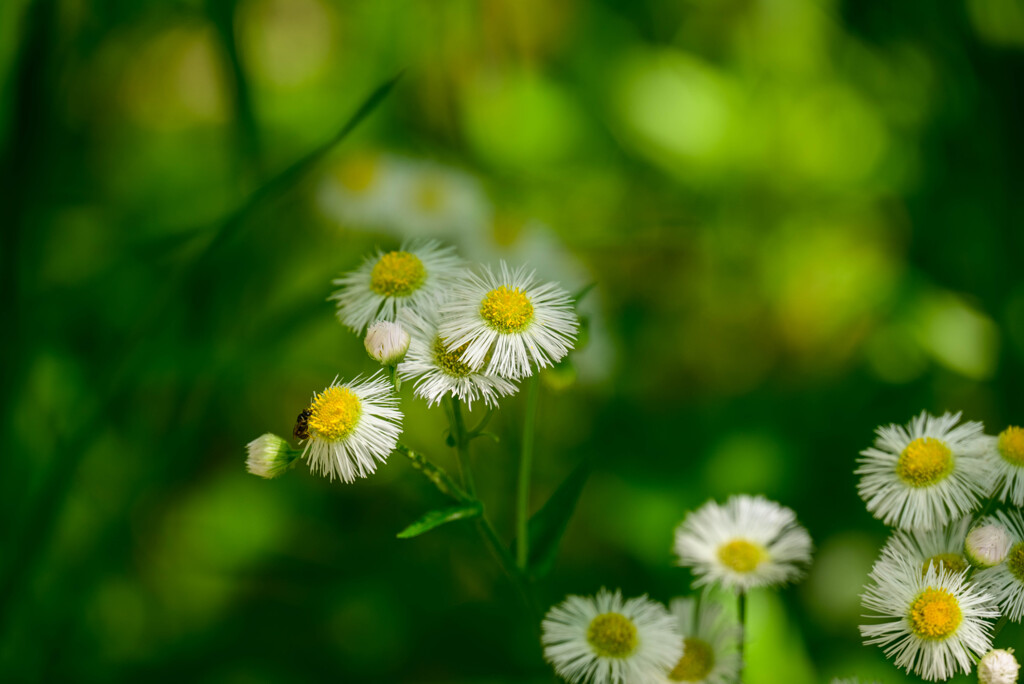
<point>1006,581</point>
<point>711,641</point>
<point>998,667</point>
<point>1005,454</point>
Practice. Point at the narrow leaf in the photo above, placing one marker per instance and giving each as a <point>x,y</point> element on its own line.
<point>433,519</point>
<point>547,526</point>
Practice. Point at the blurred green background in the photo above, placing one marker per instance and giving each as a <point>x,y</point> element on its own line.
<point>803,218</point>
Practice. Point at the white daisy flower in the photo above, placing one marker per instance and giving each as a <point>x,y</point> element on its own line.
<point>942,547</point>
<point>269,456</point>
<point>438,368</point>
<point>1006,581</point>
<point>433,200</point>
<point>360,190</point>
<point>1005,454</point>
<point>351,426</point>
<point>926,474</point>
<point>509,322</point>
<point>988,544</point>
<point>749,542</point>
<point>415,276</point>
<point>711,644</point>
<point>606,640</point>
<point>935,622</point>
<point>998,667</point>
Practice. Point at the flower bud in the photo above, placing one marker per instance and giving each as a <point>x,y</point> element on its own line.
<point>987,545</point>
<point>386,343</point>
<point>269,456</point>
<point>998,667</point>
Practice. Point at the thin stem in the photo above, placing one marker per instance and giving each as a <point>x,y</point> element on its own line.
<point>462,446</point>
<point>525,465</point>
<point>999,626</point>
<point>479,427</point>
<point>743,633</point>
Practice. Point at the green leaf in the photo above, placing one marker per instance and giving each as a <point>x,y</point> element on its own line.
<point>433,519</point>
<point>547,526</point>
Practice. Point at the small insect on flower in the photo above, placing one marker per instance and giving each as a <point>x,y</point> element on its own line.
<point>269,456</point>
<point>926,474</point>
<point>605,640</point>
<point>387,343</point>
<point>439,371</point>
<point>998,667</point>
<point>931,623</point>
<point>509,323</point>
<point>988,544</point>
<point>301,429</point>
<point>1005,454</point>
<point>416,277</point>
<point>942,547</point>
<point>351,427</point>
<point>749,542</point>
<point>1006,581</point>
<point>711,641</point>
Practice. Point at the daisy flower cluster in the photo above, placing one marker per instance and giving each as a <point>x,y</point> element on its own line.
<point>950,568</point>
<point>748,542</point>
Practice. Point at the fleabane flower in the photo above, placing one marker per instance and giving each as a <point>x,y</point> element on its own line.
<point>749,542</point>
<point>942,547</point>
<point>607,640</point>
<point>508,322</point>
<point>711,641</point>
<point>438,201</point>
<point>932,623</point>
<point>987,544</point>
<point>925,474</point>
<point>351,427</point>
<point>998,667</point>
<point>1006,581</point>
<point>360,190</point>
<point>269,456</point>
<point>416,276</point>
<point>439,370</point>
<point>387,343</point>
<point>1005,454</point>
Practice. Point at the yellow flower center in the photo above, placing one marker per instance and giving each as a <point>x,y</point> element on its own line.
<point>429,195</point>
<point>397,274</point>
<point>741,555</point>
<point>935,614</point>
<point>507,310</point>
<point>1011,446</point>
<point>358,174</point>
<point>949,561</point>
<point>1015,561</point>
<point>696,663</point>
<point>612,635</point>
<point>334,413</point>
<point>450,361</point>
<point>925,462</point>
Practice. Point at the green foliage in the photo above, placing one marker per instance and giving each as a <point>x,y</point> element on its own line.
<point>432,519</point>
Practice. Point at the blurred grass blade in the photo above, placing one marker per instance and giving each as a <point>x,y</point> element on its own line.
<point>578,296</point>
<point>547,526</point>
<point>433,519</point>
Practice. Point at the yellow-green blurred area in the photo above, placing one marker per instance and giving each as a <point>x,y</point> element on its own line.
<point>802,217</point>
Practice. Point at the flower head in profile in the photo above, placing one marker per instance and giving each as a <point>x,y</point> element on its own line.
<point>998,667</point>
<point>439,371</point>
<point>711,639</point>
<point>942,547</point>
<point>509,322</point>
<point>352,426</point>
<point>607,640</point>
<point>269,456</point>
<point>1006,581</point>
<point>416,277</point>
<point>926,474</point>
<point>932,623</point>
<point>1005,454</point>
<point>988,543</point>
<point>749,542</point>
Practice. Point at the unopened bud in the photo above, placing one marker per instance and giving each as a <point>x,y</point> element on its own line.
<point>998,667</point>
<point>987,545</point>
<point>386,343</point>
<point>269,456</point>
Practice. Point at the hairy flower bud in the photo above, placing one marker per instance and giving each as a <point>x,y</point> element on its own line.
<point>987,545</point>
<point>269,456</point>
<point>386,343</point>
<point>998,667</point>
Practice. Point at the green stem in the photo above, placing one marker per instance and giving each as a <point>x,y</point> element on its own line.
<point>525,465</point>
<point>999,626</point>
<point>479,428</point>
<point>462,446</point>
<point>743,633</point>
<point>435,474</point>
